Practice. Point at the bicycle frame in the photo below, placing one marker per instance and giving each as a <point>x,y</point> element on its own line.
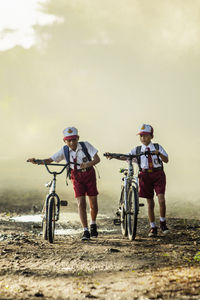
<point>127,180</point>
<point>51,208</point>
<point>129,200</point>
<point>52,185</point>
<point>52,193</point>
<point>128,210</point>
<point>130,178</point>
<point>52,190</point>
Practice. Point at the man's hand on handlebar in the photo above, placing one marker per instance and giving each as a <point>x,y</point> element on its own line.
<point>108,155</point>
<point>84,165</point>
<point>156,152</point>
<point>32,160</point>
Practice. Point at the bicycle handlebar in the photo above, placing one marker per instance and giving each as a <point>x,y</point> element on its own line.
<point>41,162</point>
<point>128,156</point>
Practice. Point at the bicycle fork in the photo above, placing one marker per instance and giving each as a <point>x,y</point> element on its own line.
<point>126,195</point>
<point>124,204</point>
<point>52,188</point>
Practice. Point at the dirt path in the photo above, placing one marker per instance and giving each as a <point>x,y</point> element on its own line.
<point>110,267</point>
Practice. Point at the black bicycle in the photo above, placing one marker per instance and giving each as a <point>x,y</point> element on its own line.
<point>51,208</point>
<point>128,210</point>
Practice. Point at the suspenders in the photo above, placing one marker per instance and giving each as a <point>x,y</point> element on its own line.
<point>66,153</point>
<point>138,151</point>
<point>84,148</point>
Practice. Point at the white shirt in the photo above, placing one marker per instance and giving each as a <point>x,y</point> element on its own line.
<point>78,154</point>
<point>144,160</point>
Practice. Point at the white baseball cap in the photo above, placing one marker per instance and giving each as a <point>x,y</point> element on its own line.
<point>145,129</point>
<point>70,133</point>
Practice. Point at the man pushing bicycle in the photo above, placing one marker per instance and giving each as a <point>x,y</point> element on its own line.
<point>151,177</point>
<point>83,157</point>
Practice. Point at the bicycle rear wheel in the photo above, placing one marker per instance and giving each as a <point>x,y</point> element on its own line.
<point>51,219</point>
<point>132,216</point>
<point>123,216</point>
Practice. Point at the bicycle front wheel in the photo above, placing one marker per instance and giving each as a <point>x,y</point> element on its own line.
<point>132,213</point>
<point>44,228</point>
<point>123,215</point>
<point>51,220</point>
<point>44,219</point>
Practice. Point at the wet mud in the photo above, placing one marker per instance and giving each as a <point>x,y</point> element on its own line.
<point>109,267</point>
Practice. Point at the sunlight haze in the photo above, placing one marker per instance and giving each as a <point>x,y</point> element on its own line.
<point>105,67</point>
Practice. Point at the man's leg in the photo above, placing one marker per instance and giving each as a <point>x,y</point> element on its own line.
<point>93,207</point>
<point>161,200</point>
<point>82,211</point>
<point>93,212</point>
<point>151,205</point>
<point>83,217</point>
<point>163,226</point>
<point>151,215</point>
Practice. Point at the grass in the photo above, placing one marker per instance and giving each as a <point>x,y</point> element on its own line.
<point>197,257</point>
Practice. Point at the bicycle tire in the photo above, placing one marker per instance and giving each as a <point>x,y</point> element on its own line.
<point>44,219</point>
<point>123,216</point>
<point>44,228</point>
<point>132,213</point>
<point>51,220</point>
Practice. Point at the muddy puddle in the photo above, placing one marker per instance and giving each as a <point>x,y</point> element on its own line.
<point>69,223</point>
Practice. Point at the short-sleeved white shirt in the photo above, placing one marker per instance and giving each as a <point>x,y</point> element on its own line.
<point>78,154</point>
<point>144,159</point>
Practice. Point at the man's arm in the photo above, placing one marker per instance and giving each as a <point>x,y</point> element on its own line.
<point>46,160</point>
<point>108,156</point>
<point>91,163</point>
<point>163,157</point>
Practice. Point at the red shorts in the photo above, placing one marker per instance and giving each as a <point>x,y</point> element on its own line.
<point>148,182</point>
<point>84,183</point>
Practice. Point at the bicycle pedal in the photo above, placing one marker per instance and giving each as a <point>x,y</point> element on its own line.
<point>63,203</point>
<point>141,204</point>
<point>117,222</point>
<point>117,213</point>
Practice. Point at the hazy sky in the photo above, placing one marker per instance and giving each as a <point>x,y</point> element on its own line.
<point>17,21</point>
<point>105,67</point>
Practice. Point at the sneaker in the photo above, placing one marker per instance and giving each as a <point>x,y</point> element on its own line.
<point>153,232</point>
<point>85,236</point>
<point>164,227</point>
<point>93,230</point>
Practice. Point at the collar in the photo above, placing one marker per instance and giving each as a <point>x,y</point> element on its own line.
<point>144,146</point>
<point>77,149</point>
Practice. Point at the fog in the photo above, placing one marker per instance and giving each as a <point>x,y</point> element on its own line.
<point>105,67</point>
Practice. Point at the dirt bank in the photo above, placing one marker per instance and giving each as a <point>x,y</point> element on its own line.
<point>110,267</point>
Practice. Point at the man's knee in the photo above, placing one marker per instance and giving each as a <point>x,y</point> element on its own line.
<point>161,199</point>
<point>151,203</point>
<point>93,203</point>
<point>81,202</point>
